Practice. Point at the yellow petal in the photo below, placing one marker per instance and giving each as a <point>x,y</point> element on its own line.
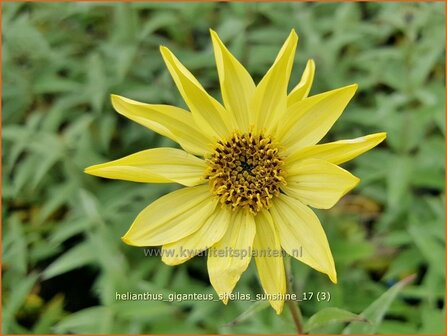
<point>302,236</point>
<point>269,261</point>
<point>171,217</point>
<point>158,165</point>
<point>302,89</point>
<point>169,121</point>
<point>210,233</point>
<point>318,183</point>
<point>236,84</point>
<point>308,121</point>
<point>341,151</point>
<point>207,112</point>
<point>270,98</point>
<point>230,257</point>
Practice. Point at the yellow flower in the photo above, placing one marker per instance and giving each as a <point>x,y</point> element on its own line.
<point>251,167</point>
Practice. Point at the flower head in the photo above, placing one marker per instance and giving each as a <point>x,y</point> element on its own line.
<point>251,168</point>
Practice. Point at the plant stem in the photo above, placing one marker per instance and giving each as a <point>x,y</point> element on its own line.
<point>293,306</point>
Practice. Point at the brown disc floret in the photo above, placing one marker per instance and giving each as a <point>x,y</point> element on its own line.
<point>246,171</point>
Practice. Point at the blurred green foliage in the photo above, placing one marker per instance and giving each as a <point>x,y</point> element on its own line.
<point>63,261</point>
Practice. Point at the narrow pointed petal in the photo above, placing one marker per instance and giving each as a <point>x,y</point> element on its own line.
<point>209,233</point>
<point>318,183</point>
<point>298,226</point>
<point>269,102</point>
<point>207,112</point>
<point>158,165</point>
<point>339,152</point>
<point>230,257</point>
<point>169,121</point>
<point>270,266</point>
<point>236,84</point>
<point>302,89</point>
<point>308,121</point>
<point>171,217</point>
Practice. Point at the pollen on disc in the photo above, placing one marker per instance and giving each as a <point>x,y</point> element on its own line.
<point>245,171</point>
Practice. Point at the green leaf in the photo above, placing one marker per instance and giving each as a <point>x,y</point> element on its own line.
<point>15,253</point>
<point>67,229</point>
<point>78,256</point>
<point>376,311</point>
<point>52,313</point>
<point>252,310</point>
<point>142,310</point>
<point>433,321</point>
<point>61,194</point>
<point>16,299</point>
<point>97,83</point>
<point>431,248</point>
<point>94,320</point>
<point>399,176</point>
<point>331,315</point>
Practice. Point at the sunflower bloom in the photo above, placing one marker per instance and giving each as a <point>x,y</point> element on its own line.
<point>251,168</point>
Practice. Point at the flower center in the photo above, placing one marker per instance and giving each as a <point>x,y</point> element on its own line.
<point>245,171</point>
